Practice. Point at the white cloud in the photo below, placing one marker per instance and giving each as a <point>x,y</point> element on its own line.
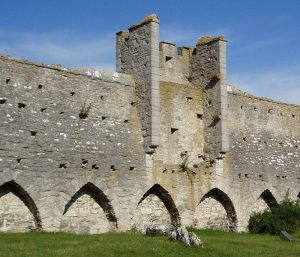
<point>61,48</point>
<point>281,84</point>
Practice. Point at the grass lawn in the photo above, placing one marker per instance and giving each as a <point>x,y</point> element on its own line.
<point>216,244</point>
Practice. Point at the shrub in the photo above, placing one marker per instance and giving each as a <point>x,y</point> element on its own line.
<point>285,216</point>
<point>84,111</point>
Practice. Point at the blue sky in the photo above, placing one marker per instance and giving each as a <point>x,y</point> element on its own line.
<point>263,54</point>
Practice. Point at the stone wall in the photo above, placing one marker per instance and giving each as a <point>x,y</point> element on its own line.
<point>14,215</point>
<point>58,132</point>
<point>208,72</point>
<point>260,205</point>
<point>181,128</point>
<point>85,216</point>
<point>88,151</point>
<point>174,63</point>
<point>264,150</point>
<point>151,211</point>
<point>138,55</point>
<point>211,214</point>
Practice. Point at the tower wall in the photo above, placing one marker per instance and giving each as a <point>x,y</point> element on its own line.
<point>208,71</point>
<point>138,55</point>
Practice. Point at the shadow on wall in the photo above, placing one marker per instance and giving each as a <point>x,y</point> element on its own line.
<point>166,198</point>
<point>89,211</point>
<point>14,215</point>
<point>156,207</point>
<point>216,210</point>
<point>268,197</point>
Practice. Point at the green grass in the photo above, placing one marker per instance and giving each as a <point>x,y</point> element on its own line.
<point>216,244</point>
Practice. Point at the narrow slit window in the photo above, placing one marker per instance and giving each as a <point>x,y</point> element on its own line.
<point>200,116</point>
<point>173,130</point>
<point>189,98</point>
<point>168,58</point>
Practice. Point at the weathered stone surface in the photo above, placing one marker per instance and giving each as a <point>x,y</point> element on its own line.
<point>85,216</point>
<point>14,215</point>
<point>188,238</point>
<point>194,240</point>
<point>165,140</point>
<point>173,235</point>
<point>151,212</point>
<point>183,236</point>
<point>211,214</point>
<point>159,229</point>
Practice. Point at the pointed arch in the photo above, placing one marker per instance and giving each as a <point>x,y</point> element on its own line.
<point>17,190</point>
<point>167,200</point>
<point>227,204</point>
<point>100,198</point>
<point>269,199</point>
<point>298,195</point>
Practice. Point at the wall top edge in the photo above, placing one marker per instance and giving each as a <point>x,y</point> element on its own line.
<point>93,73</point>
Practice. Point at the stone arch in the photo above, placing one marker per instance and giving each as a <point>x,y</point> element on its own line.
<point>89,211</point>
<point>269,199</point>
<point>156,207</point>
<point>298,195</point>
<point>216,210</point>
<point>265,200</point>
<point>18,211</point>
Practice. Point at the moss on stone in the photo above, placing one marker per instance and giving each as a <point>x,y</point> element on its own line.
<point>152,17</point>
<point>215,76</point>
<point>208,39</point>
<point>149,18</point>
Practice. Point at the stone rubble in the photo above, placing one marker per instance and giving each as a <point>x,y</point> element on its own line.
<point>177,234</point>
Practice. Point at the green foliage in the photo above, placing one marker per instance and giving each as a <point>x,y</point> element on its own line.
<point>285,216</point>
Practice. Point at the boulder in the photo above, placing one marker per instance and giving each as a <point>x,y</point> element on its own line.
<point>182,235</point>
<point>159,229</point>
<point>173,235</point>
<point>194,240</point>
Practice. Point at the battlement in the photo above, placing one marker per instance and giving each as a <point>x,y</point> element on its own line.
<point>174,62</point>
<point>170,49</point>
<point>149,61</point>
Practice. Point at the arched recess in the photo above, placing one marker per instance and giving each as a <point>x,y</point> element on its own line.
<point>216,210</point>
<point>89,211</point>
<point>298,195</point>
<point>18,212</point>
<point>156,207</point>
<point>269,199</point>
<point>266,200</point>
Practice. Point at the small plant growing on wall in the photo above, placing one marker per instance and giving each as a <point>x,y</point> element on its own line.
<point>183,166</point>
<point>216,76</point>
<point>84,111</point>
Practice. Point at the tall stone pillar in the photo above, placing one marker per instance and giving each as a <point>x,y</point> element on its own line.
<point>208,71</point>
<point>138,54</point>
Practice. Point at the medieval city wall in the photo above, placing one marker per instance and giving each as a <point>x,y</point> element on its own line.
<point>264,149</point>
<point>163,140</point>
<point>63,130</point>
